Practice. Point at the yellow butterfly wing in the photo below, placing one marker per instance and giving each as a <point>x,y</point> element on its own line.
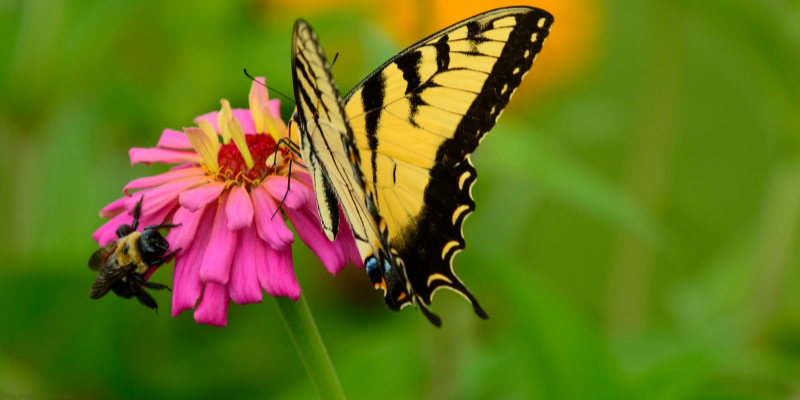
<point>417,119</point>
<point>327,147</point>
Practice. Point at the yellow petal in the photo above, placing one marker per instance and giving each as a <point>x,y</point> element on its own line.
<point>224,116</point>
<point>237,134</point>
<point>204,146</point>
<point>274,125</point>
<point>259,96</point>
<point>294,133</point>
<point>209,130</point>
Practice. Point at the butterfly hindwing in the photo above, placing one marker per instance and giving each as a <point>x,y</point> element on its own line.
<point>418,117</point>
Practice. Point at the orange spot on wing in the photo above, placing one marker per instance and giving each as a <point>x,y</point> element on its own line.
<point>381,285</point>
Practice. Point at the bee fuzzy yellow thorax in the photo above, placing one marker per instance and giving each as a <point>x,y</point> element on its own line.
<point>128,252</point>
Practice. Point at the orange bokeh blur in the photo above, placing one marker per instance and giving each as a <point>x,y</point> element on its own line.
<point>570,50</point>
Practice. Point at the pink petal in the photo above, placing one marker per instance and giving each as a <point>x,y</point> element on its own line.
<point>239,209</point>
<point>245,119</point>
<point>187,285</point>
<point>175,233</point>
<point>182,166</point>
<point>308,228</point>
<point>211,118</point>
<point>182,236</point>
<point>150,181</point>
<point>270,230</point>
<point>107,232</point>
<point>241,114</point>
<point>157,216</point>
<point>217,260</point>
<point>276,272</point>
<point>198,198</point>
<point>157,197</point>
<point>297,195</point>
<point>173,140</point>
<point>348,242</point>
<point>213,307</point>
<point>304,177</point>
<point>275,108</point>
<point>164,156</point>
<point>243,286</point>
<point>113,209</point>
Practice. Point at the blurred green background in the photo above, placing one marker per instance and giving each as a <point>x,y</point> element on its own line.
<point>635,236</point>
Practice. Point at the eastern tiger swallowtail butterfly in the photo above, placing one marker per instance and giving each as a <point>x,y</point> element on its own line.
<point>395,152</point>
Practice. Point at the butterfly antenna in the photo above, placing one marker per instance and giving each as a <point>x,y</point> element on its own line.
<point>270,88</point>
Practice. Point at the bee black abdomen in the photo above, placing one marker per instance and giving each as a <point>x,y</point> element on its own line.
<point>122,289</point>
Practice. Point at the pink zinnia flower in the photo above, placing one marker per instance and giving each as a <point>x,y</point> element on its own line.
<point>224,195</point>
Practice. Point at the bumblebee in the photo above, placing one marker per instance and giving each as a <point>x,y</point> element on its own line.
<point>123,263</point>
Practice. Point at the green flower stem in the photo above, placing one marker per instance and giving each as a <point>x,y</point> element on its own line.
<point>309,346</point>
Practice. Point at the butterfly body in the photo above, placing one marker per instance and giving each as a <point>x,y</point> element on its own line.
<point>395,151</point>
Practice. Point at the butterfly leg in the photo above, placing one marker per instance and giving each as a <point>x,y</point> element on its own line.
<point>290,145</point>
<point>288,187</point>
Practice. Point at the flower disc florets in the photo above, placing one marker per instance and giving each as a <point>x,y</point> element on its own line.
<point>232,166</point>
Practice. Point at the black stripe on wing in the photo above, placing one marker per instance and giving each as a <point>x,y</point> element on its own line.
<point>449,192</point>
<point>429,247</point>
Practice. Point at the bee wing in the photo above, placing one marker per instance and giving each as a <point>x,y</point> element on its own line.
<point>108,276</point>
<point>99,258</point>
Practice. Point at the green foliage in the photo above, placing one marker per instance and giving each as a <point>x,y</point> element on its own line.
<point>635,237</point>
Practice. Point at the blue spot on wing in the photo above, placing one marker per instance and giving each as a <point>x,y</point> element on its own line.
<point>371,264</point>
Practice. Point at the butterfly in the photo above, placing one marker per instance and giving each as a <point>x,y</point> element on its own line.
<point>395,152</point>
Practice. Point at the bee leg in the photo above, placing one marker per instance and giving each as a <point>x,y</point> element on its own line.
<point>124,230</point>
<point>134,289</point>
<point>150,285</point>
<point>166,224</point>
<point>137,211</point>
<point>166,259</point>
<point>147,300</point>
<point>157,286</point>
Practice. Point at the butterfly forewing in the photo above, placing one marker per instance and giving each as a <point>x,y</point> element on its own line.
<point>418,117</point>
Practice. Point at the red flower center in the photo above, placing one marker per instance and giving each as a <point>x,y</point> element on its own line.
<point>231,162</point>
